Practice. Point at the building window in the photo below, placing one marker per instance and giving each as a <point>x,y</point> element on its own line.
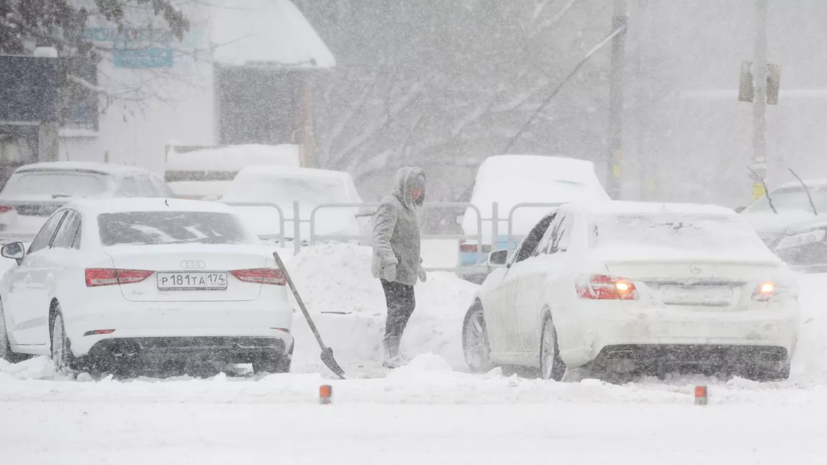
<point>79,102</point>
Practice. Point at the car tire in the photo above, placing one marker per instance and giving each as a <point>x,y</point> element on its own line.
<point>62,355</point>
<point>5,343</point>
<point>475,345</point>
<point>551,365</point>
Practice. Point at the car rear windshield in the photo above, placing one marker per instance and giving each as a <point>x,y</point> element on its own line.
<point>55,185</point>
<point>164,227</point>
<point>792,199</point>
<point>689,232</point>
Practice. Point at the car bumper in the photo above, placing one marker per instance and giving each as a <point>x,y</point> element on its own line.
<point>226,349</point>
<point>583,338</point>
<point>174,320</point>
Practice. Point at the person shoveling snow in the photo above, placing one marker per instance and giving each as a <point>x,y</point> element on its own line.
<point>397,262</point>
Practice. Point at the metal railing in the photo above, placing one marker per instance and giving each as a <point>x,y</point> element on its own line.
<point>364,238</point>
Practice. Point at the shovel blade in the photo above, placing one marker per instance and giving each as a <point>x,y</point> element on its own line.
<point>330,362</point>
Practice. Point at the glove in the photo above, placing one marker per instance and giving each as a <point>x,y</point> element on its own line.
<point>389,272</point>
<point>422,276</point>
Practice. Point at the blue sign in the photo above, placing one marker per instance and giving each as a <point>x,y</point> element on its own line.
<point>143,58</point>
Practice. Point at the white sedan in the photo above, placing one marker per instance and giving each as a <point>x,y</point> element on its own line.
<point>624,286</point>
<point>115,281</point>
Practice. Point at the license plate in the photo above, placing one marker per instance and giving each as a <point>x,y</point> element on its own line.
<point>696,295</point>
<point>192,281</point>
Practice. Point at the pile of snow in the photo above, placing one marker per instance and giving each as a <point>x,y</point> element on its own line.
<point>348,306</point>
<point>810,360</point>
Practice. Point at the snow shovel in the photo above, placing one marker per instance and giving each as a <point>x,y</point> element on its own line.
<point>327,352</point>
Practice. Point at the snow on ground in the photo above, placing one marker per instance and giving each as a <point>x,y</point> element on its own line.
<point>429,411</point>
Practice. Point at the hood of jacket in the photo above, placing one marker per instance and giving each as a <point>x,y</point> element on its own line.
<point>403,186</point>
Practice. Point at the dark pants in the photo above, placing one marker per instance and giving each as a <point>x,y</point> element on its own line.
<point>401,303</point>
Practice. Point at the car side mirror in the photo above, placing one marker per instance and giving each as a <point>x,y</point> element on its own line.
<point>14,250</point>
<point>498,259</point>
<point>740,209</point>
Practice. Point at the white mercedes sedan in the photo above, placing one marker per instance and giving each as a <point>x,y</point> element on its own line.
<point>633,286</point>
<point>115,282</point>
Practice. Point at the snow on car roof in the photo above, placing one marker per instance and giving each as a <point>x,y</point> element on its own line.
<point>232,158</point>
<point>103,168</point>
<point>97,207</point>
<point>618,207</point>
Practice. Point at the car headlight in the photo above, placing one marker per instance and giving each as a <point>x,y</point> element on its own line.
<point>797,240</point>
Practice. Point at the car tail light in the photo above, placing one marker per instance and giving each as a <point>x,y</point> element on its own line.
<point>602,287</point>
<point>6,208</point>
<point>260,275</point>
<point>109,276</point>
<point>763,292</point>
<point>468,248</point>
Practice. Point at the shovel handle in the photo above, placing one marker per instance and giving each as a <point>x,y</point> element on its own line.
<point>299,300</point>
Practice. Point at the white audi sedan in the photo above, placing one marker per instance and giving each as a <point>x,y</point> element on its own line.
<point>629,286</point>
<point>114,282</point>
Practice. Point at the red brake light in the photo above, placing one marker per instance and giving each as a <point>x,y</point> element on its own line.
<point>602,287</point>
<point>109,276</point>
<point>468,248</point>
<point>260,275</point>
<point>764,292</point>
<point>6,208</point>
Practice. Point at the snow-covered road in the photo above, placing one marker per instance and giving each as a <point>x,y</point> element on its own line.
<point>429,411</point>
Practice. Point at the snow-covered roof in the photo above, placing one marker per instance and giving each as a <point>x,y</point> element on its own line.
<point>96,207</point>
<point>105,168</point>
<point>617,207</point>
<point>232,157</point>
<point>266,33</point>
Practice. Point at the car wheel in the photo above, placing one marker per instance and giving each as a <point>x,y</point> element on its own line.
<point>5,344</point>
<point>475,344</point>
<point>61,347</point>
<point>551,365</point>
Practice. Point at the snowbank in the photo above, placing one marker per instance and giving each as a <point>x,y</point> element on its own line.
<point>349,308</point>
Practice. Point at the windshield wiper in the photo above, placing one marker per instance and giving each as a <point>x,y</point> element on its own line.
<point>766,191</point>
<point>807,190</point>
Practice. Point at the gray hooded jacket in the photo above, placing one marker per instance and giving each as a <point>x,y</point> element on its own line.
<point>396,238</point>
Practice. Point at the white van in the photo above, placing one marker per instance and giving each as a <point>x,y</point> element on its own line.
<point>511,180</point>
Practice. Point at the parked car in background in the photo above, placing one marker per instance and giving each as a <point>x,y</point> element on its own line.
<point>792,227</point>
<point>627,286</point>
<point>282,186</point>
<point>207,172</point>
<point>36,191</point>
<point>511,180</point>
<point>111,283</point>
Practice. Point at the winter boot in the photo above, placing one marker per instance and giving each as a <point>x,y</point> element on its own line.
<point>391,345</point>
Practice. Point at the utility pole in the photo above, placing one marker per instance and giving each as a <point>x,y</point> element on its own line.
<point>759,105</point>
<point>614,159</point>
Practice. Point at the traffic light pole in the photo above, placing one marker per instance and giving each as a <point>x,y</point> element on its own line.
<point>759,140</point>
<point>614,157</point>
